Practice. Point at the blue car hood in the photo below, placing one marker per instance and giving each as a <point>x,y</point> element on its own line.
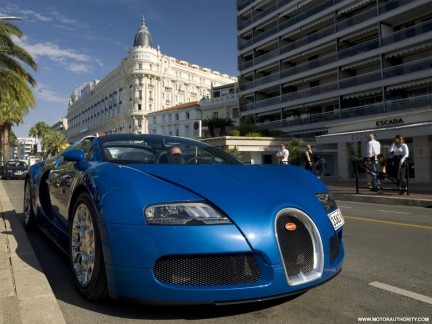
<point>245,190</point>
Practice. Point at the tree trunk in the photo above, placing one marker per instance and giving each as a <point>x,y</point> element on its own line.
<point>5,142</point>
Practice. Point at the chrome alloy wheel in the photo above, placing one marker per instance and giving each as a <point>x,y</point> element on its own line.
<point>83,245</point>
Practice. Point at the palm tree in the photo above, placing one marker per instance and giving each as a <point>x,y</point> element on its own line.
<point>16,96</point>
<point>40,130</point>
<point>217,122</point>
<point>11,112</point>
<point>53,142</point>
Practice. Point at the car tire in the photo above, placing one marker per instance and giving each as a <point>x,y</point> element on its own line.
<point>29,216</point>
<point>85,251</point>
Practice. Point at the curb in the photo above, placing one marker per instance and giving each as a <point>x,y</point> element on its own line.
<point>374,199</point>
<point>26,296</point>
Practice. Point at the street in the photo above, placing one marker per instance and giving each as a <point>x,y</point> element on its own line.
<point>386,274</point>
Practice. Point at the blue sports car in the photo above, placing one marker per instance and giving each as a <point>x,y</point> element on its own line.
<point>174,220</point>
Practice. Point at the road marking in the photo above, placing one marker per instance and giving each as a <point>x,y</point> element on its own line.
<point>387,222</point>
<point>393,212</point>
<point>344,207</point>
<point>403,292</point>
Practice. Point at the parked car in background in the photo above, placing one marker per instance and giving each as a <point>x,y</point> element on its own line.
<point>169,219</point>
<point>14,169</point>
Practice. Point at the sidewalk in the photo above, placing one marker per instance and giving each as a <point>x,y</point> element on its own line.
<point>26,296</point>
<point>420,194</point>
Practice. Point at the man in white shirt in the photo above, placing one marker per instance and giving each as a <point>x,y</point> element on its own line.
<point>373,148</point>
<point>283,154</point>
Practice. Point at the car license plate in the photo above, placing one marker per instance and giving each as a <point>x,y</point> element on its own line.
<point>336,218</point>
<point>18,172</point>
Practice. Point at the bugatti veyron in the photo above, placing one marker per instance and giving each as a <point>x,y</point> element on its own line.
<point>174,220</point>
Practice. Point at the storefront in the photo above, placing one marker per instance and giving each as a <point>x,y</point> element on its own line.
<point>347,141</point>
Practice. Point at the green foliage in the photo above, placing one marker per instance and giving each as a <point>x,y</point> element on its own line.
<point>234,132</point>
<point>16,96</point>
<point>253,134</point>
<point>217,123</point>
<point>235,151</point>
<point>295,148</point>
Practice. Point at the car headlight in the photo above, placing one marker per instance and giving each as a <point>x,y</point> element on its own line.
<point>327,201</point>
<point>184,214</point>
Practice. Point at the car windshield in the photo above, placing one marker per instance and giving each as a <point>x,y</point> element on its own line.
<point>153,149</point>
<point>16,164</point>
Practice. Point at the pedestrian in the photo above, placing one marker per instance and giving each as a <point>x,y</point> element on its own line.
<point>373,149</point>
<point>400,153</point>
<point>322,166</point>
<point>282,154</point>
<point>309,159</point>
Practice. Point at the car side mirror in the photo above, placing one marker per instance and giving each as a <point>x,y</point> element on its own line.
<point>76,156</point>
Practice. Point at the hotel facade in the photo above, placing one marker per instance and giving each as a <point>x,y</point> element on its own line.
<point>336,70</point>
<point>146,81</point>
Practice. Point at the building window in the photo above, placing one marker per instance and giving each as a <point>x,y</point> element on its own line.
<point>215,114</point>
<point>177,116</point>
<point>187,115</point>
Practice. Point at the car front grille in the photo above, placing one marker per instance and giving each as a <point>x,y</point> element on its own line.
<point>296,246</point>
<point>300,246</point>
<point>207,270</point>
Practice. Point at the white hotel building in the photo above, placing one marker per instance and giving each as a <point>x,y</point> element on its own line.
<point>335,70</point>
<point>146,81</point>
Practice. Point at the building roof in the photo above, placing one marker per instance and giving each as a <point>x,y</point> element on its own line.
<point>143,37</point>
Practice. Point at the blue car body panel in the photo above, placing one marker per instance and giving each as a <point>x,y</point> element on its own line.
<point>251,196</point>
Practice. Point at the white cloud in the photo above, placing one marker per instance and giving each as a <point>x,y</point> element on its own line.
<point>68,59</point>
<point>78,68</point>
<point>45,94</point>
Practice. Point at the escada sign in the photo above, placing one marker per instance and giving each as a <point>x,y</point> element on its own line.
<point>389,122</point>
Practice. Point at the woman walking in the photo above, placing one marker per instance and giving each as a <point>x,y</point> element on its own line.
<point>400,154</point>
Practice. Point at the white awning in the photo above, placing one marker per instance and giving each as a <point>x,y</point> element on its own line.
<point>294,83</point>
<point>272,21</point>
<point>409,50</point>
<point>269,113</point>
<point>359,33</point>
<point>410,84</point>
<point>309,131</point>
<point>262,3</point>
<point>319,76</point>
<point>312,51</point>
<point>268,67</point>
<point>411,130</point>
<point>361,63</point>
<point>362,94</point>
<point>357,4</point>
<point>316,22</point>
<point>292,33</point>
<point>267,45</point>
<point>298,6</point>
<point>322,102</point>
<point>293,107</point>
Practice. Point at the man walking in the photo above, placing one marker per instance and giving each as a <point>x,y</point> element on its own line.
<point>373,148</point>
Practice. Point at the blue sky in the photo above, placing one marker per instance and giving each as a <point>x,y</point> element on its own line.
<point>76,41</point>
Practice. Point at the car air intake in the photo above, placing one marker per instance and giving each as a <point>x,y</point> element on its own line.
<point>207,270</point>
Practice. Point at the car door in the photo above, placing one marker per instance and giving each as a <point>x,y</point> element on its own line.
<point>61,180</point>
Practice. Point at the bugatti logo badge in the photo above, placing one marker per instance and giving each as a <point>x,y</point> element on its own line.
<point>290,227</point>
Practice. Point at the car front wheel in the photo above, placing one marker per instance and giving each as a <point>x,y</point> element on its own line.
<point>29,216</point>
<point>85,251</point>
